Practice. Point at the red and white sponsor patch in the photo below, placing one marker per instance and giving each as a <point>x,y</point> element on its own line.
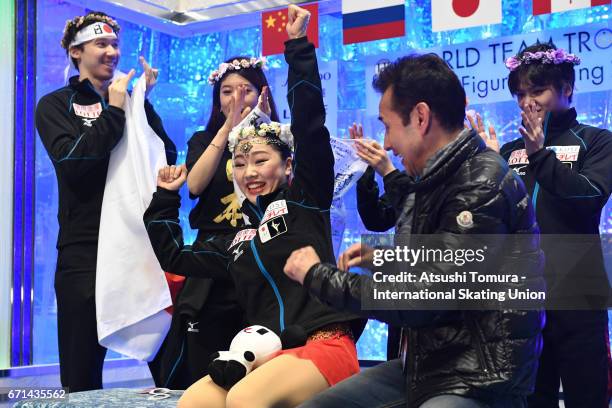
<point>518,157</point>
<point>244,235</point>
<point>275,209</point>
<point>87,111</point>
<point>566,153</point>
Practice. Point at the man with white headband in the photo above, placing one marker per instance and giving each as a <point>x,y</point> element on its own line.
<point>79,125</point>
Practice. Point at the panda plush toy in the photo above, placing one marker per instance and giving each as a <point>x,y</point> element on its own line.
<point>249,348</point>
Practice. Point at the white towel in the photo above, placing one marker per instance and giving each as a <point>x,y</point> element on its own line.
<point>131,289</point>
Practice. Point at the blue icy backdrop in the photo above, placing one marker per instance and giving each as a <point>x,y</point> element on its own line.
<point>183,99</point>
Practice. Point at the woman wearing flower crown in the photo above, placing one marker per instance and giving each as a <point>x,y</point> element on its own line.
<point>239,84</point>
<point>567,168</point>
<point>287,203</point>
<point>206,315</point>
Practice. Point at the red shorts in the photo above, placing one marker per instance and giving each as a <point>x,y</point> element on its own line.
<point>336,357</point>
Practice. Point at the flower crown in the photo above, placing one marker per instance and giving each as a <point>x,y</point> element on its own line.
<point>78,22</point>
<point>263,129</point>
<point>273,132</point>
<point>558,56</point>
<point>236,65</point>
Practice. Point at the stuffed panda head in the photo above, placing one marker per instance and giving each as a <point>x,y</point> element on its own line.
<point>258,340</point>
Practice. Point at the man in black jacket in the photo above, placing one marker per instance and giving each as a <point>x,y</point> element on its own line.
<point>79,125</point>
<point>457,188</point>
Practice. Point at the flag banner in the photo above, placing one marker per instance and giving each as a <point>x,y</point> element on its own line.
<point>555,6</point>
<point>131,289</point>
<point>457,14</point>
<point>274,29</point>
<point>369,21</point>
<point>348,167</point>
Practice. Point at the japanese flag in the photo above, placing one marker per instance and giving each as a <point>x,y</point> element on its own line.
<point>554,6</point>
<point>456,14</point>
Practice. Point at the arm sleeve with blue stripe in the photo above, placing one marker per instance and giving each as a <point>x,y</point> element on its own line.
<point>313,159</point>
<point>592,182</point>
<point>202,260</point>
<point>73,153</point>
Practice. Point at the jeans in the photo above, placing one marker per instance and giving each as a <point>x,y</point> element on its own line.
<point>384,386</point>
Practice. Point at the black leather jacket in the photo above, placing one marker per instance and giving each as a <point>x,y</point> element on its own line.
<point>475,353</point>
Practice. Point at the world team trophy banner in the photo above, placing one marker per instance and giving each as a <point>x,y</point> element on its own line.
<point>481,70</point>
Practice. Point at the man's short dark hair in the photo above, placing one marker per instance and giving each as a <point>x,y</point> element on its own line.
<point>78,23</point>
<point>424,78</point>
<point>542,75</point>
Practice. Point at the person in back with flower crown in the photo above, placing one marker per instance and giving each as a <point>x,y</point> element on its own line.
<point>567,169</point>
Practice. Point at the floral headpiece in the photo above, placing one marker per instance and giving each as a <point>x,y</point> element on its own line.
<point>77,22</point>
<point>258,126</point>
<point>236,65</point>
<point>556,57</point>
<point>266,133</point>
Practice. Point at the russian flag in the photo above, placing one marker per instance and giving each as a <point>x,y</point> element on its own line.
<point>372,20</point>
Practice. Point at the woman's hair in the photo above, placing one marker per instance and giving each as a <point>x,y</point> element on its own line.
<point>281,148</point>
<point>542,75</point>
<point>78,23</point>
<point>255,76</point>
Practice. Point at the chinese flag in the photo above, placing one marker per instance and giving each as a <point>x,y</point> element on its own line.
<point>274,32</point>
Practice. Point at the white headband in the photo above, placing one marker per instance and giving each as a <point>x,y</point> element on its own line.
<point>91,32</point>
